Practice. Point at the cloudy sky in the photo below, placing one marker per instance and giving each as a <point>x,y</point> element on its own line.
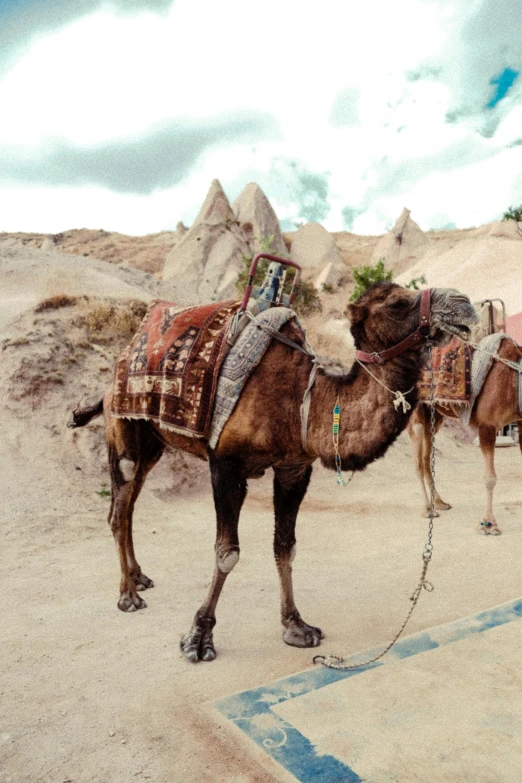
<point>118,115</point>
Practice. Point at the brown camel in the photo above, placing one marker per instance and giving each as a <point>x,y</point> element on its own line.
<point>495,407</point>
<point>264,431</point>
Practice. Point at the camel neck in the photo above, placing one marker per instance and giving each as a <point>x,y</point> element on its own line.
<point>369,421</point>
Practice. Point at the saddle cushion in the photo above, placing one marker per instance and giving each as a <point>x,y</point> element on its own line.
<point>452,366</point>
<point>169,372</point>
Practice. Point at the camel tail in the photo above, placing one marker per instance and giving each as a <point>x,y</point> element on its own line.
<point>82,416</point>
<point>520,435</point>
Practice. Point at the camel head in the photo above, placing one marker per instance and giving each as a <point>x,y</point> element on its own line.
<point>386,314</point>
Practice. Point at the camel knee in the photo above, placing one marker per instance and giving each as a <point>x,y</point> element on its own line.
<point>127,469</point>
<point>227,559</point>
<point>285,554</point>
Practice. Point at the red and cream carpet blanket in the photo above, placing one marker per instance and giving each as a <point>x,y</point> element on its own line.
<point>170,370</point>
<point>452,366</point>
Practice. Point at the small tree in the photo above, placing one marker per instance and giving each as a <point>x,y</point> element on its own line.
<point>514,213</point>
<point>366,276</point>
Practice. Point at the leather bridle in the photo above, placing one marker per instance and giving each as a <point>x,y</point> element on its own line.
<point>420,335</point>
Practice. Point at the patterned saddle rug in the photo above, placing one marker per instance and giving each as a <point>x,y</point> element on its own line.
<point>170,370</point>
<point>452,366</point>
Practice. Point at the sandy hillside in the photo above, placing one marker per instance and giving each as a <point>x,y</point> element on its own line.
<point>146,253</point>
<point>89,694</point>
<point>483,262</point>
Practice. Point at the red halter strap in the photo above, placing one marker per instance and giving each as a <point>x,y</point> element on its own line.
<point>417,337</point>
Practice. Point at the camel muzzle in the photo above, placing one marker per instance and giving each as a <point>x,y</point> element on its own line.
<point>452,314</point>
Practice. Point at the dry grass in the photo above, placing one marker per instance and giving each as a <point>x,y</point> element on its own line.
<point>56,302</point>
<point>107,321</point>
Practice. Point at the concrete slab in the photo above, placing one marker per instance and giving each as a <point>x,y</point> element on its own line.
<point>444,705</point>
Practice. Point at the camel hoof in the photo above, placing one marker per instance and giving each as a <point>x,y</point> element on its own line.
<point>197,644</point>
<point>303,635</point>
<point>130,602</point>
<point>194,651</point>
<point>142,582</point>
<point>426,513</point>
<point>489,528</point>
<point>440,505</point>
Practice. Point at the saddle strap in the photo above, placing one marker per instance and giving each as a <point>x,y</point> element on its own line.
<point>519,386</point>
<point>305,407</point>
<point>278,336</point>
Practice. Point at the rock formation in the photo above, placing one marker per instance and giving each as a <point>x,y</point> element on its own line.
<point>258,221</point>
<point>210,254</point>
<point>314,248</point>
<point>404,240</point>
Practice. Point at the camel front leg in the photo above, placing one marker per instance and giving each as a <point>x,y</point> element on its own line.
<point>438,503</point>
<point>290,487</point>
<point>229,489</point>
<point>416,433</point>
<point>487,439</point>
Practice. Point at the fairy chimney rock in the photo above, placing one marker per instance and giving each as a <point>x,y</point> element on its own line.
<point>313,247</point>
<point>206,260</point>
<point>404,240</point>
<point>258,220</point>
<point>216,207</point>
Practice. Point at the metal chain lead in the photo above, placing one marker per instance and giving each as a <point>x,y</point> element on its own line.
<point>334,661</point>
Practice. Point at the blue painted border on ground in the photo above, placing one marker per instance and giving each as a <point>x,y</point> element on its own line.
<point>251,711</point>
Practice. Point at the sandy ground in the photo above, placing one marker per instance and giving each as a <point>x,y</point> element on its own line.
<point>90,695</point>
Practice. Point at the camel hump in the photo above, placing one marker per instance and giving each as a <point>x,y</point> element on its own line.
<point>82,416</point>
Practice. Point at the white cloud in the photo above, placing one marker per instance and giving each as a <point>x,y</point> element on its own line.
<point>467,196</point>
<point>404,67</point>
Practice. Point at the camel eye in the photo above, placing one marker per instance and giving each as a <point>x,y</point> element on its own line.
<point>399,305</point>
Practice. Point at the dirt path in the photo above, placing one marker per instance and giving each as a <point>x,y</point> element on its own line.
<point>91,695</point>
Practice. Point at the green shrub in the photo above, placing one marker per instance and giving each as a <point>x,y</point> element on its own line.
<point>416,282</point>
<point>366,276</point>
<point>514,213</point>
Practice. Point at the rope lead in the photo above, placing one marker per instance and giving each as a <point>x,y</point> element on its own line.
<point>335,661</point>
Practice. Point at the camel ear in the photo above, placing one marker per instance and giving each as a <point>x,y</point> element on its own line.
<point>356,313</point>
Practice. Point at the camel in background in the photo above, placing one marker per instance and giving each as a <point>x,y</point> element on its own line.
<point>495,407</point>
<point>264,432</point>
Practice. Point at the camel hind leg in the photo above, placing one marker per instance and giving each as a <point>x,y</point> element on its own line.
<point>133,450</point>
